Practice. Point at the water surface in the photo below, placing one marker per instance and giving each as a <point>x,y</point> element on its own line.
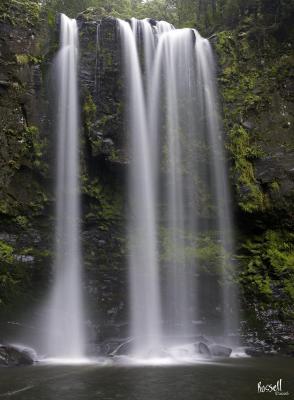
<point>232,379</point>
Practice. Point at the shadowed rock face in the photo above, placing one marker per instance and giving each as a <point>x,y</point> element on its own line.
<point>103,174</point>
<point>25,226</point>
<point>256,87</point>
<point>28,163</point>
<point>101,87</point>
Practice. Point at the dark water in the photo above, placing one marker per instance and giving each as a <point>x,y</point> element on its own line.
<point>233,379</point>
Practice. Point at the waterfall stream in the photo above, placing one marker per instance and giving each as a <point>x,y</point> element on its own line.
<point>177,162</point>
<point>65,333</point>
<point>178,220</point>
<point>143,259</point>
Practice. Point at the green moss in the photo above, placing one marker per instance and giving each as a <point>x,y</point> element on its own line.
<point>35,148</point>
<point>39,202</point>
<point>275,187</point>
<point>20,12</point>
<point>89,106</point>
<point>89,109</point>
<point>22,221</point>
<point>205,251</point>
<point>24,59</point>
<point>266,278</point>
<point>114,155</point>
<point>249,84</point>
<point>211,255</point>
<point>7,281</point>
<point>51,18</point>
<point>6,253</point>
<point>107,57</point>
<point>105,204</point>
<point>104,120</point>
<point>243,152</point>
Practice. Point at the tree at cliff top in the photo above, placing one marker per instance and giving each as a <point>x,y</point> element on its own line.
<point>211,14</point>
<point>206,15</point>
<point>156,9</point>
<point>122,8</point>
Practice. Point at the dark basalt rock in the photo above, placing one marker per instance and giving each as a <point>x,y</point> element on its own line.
<point>103,169</point>
<point>25,226</point>
<point>247,124</point>
<point>203,349</point>
<point>218,350</point>
<point>152,21</point>
<point>14,356</point>
<point>208,349</point>
<point>254,352</point>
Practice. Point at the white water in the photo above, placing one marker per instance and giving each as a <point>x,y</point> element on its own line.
<point>143,258</point>
<point>176,154</point>
<point>206,76</point>
<point>65,335</point>
<point>176,55</point>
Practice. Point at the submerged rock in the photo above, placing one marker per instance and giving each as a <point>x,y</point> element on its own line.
<point>218,350</point>
<point>203,349</point>
<point>14,356</point>
<point>254,352</point>
<point>259,351</point>
<point>208,349</point>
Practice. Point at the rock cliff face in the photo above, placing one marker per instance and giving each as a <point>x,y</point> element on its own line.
<point>103,175</point>
<point>25,225</point>
<point>27,166</point>
<point>256,83</point>
<point>256,90</point>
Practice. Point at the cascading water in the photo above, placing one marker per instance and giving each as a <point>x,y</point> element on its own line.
<point>143,258</point>
<point>65,332</point>
<point>175,61</point>
<point>176,161</point>
<point>206,77</point>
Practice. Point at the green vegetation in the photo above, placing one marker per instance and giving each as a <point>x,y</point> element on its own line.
<point>212,15</point>
<point>22,221</point>
<point>204,251</point>
<point>89,111</point>
<point>7,280</point>
<point>267,274</point>
<point>20,13</point>
<point>207,15</point>
<point>24,59</point>
<point>6,253</point>
<point>157,9</point>
<point>250,86</point>
<point>243,152</point>
<point>104,205</point>
<point>16,272</point>
<point>35,148</point>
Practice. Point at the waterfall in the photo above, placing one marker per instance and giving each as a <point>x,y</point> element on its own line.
<point>176,55</point>
<point>143,258</point>
<point>178,189</point>
<point>206,77</point>
<point>65,333</point>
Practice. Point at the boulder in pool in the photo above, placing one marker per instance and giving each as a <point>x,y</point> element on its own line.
<point>218,350</point>
<point>203,349</point>
<point>14,356</point>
